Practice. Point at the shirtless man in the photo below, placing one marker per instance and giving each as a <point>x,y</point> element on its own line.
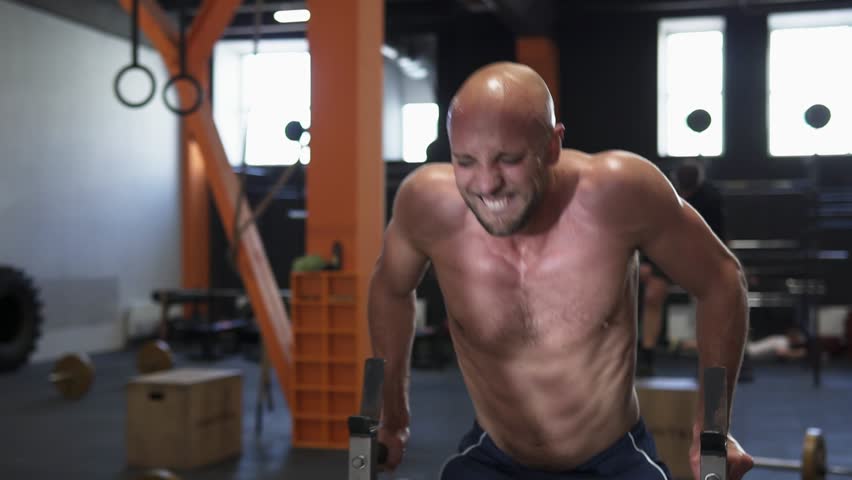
<point>535,250</point>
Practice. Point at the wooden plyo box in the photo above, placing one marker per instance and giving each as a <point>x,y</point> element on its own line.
<point>668,406</point>
<point>184,418</point>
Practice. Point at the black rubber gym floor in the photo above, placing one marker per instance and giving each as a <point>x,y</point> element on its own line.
<point>46,437</point>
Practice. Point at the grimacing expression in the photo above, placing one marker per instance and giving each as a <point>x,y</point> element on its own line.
<point>502,181</point>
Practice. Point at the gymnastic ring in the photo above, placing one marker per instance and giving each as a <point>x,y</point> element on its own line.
<point>117,81</point>
<point>199,94</point>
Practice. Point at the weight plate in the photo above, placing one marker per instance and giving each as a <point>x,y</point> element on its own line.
<point>73,375</point>
<point>813,455</point>
<point>154,356</point>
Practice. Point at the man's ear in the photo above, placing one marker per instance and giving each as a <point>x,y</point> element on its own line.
<point>555,146</point>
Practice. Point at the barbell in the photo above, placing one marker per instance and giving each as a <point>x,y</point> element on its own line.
<point>74,373</point>
<point>813,464</point>
<point>713,462</point>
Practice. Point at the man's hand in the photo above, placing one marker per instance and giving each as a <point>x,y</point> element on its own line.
<point>395,440</point>
<point>739,462</point>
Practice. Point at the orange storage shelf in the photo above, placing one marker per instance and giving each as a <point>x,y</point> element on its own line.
<point>339,433</point>
<point>313,431</point>
<point>310,402</point>
<point>341,284</point>
<point>308,316</point>
<point>321,431</point>
<point>326,388</point>
<point>309,344</point>
<point>310,374</point>
<point>306,302</point>
<point>307,287</point>
<point>326,363</point>
<point>325,417</point>
<point>343,375</point>
<point>342,403</point>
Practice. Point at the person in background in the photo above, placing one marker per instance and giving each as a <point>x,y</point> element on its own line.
<point>790,345</point>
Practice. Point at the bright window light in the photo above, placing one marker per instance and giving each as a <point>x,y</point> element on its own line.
<point>276,89</point>
<point>690,77</point>
<point>292,16</point>
<point>809,64</point>
<point>256,96</point>
<point>419,130</point>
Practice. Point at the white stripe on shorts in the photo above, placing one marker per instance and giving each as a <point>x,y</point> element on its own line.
<point>457,455</point>
<point>635,447</point>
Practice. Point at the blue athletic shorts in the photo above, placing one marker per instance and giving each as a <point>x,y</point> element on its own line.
<point>632,457</point>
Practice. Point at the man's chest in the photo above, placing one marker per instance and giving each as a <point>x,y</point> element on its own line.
<point>558,294</point>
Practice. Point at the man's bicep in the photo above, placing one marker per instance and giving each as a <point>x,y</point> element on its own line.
<point>401,265</point>
<point>686,249</point>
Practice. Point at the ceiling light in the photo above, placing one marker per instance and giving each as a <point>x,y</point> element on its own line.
<point>292,16</point>
<point>418,73</point>
<point>389,52</point>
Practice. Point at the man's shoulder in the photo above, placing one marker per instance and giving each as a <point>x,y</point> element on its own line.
<point>428,201</point>
<point>616,174</point>
<point>622,189</point>
<point>432,174</point>
<point>432,182</point>
<point>619,166</point>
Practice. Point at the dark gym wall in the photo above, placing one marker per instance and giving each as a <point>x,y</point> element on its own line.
<point>609,91</point>
<point>609,74</point>
<point>466,43</point>
<point>89,189</point>
<point>609,101</point>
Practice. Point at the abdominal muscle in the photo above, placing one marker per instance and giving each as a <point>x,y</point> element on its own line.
<point>555,403</point>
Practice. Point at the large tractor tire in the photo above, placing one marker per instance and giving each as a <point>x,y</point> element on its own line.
<point>20,318</point>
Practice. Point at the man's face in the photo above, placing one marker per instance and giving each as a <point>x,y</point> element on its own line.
<point>500,172</point>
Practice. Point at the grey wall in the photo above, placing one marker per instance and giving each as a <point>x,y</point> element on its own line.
<point>419,90</point>
<point>399,90</point>
<point>89,190</point>
<point>392,111</point>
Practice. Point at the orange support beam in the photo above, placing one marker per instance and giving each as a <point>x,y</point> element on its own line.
<point>252,261</point>
<point>195,219</point>
<point>205,155</point>
<point>542,54</point>
<point>210,21</point>
<point>346,175</point>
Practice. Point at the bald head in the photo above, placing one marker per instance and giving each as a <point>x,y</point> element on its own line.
<point>508,91</point>
<point>504,144</point>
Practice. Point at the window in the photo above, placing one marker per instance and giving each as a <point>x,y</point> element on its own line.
<point>419,129</point>
<point>809,64</point>
<point>257,95</point>
<point>690,78</point>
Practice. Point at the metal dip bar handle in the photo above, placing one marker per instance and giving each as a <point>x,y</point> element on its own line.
<point>365,453</point>
<point>714,436</point>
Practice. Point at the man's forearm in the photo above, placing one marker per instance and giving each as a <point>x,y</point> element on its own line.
<point>721,333</point>
<point>391,319</point>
